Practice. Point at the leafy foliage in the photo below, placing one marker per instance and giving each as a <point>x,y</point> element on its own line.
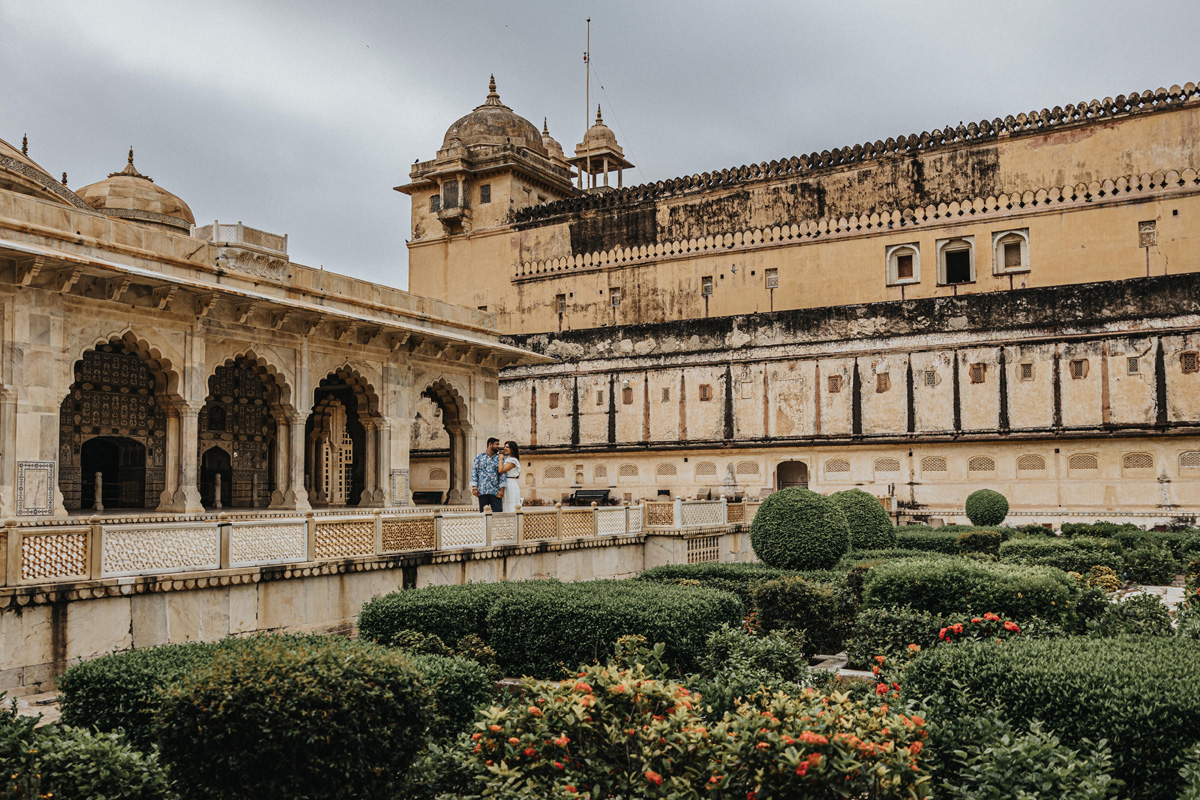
<point>741,579</point>
<point>979,541</point>
<point>937,541</point>
<point>1138,614</point>
<point>447,612</point>
<point>799,529</point>
<point>986,507</point>
<point>1152,566</point>
<point>824,613</point>
<point>1190,773</point>
<point>870,526</point>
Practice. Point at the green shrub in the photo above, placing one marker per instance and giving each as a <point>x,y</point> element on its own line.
<point>1141,693</point>
<point>823,613</point>
<point>741,579</point>
<point>1098,528</point>
<point>799,529</point>
<point>739,665</point>
<point>19,778</point>
<point>1190,773</point>
<point>457,687</point>
<point>1137,614</point>
<point>963,586</point>
<point>1030,547</point>
<point>328,718</point>
<point>1104,578</point>
<point>870,526</point>
<point>544,628</point>
<point>888,632</point>
<point>447,612</point>
<point>121,691</point>
<point>979,541</point>
<point>874,557</point>
<point>80,763</point>
<point>935,541</point>
<point>1187,621</point>
<point>1152,566</point>
<point>1034,529</point>
<point>986,507</point>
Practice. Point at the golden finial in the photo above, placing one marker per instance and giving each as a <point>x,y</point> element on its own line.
<point>545,130</point>
<point>25,145</point>
<point>64,181</point>
<point>493,99</point>
<point>131,155</point>
<point>599,119</point>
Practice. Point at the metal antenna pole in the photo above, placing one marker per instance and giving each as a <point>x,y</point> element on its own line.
<point>587,95</point>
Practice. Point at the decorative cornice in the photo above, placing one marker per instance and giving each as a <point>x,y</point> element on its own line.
<point>44,180</point>
<point>137,214</point>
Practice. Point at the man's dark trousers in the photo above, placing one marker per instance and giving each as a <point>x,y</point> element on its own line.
<point>494,501</point>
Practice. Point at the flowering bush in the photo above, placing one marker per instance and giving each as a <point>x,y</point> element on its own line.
<point>1104,578</point>
<point>615,731</point>
<point>986,628</point>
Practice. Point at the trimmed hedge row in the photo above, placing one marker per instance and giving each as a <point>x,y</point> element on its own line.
<point>1140,693</point>
<point>823,612</point>
<point>741,579</point>
<point>874,557</point>
<point>965,586</point>
<point>545,627</point>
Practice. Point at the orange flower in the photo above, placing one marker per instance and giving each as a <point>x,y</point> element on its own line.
<point>475,737</point>
<point>562,741</point>
<point>915,748</point>
<point>917,720</point>
<point>535,711</point>
<point>802,769</point>
<point>494,728</point>
<point>618,689</point>
<point>583,687</point>
<point>654,777</point>
<point>530,752</point>
<point>513,740</point>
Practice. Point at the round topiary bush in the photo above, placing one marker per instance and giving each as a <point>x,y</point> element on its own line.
<point>799,529</point>
<point>870,526</point>
<point>987,507</point>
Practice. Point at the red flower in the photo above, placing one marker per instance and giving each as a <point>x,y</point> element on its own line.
<point>583,687</point>
<point>513,740</point>
<point>942,634</point>
<point>915,748</point>
<point>558,765</point>
<point>530,752</point>
<point>654,777</point>
<point>808,737</point>
<point>715,779</point>
<point>881,659</point>
<point>976,620</point>
<point>881,689</point>
<point>957,627</point>
<point>571,789</point>
<point>475,737</point>
<point>917,720</point>
<point>802,769</point>
<point>1011,627</point>
<point>618,689</point>
<point>991,617</point>
<point>494,728</point>
<point>562,741</point>
<point>535,711</point>
<point>875,669</point>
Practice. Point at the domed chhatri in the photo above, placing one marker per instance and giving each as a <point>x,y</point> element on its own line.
<point>599,154</point>
<point>553,148</point>
<point>130,195</point>
<point>494,124</point>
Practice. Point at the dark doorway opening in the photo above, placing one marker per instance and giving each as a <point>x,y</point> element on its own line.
<point>958,266</point>
<point>121,463</point>
<point>792,473</point>
<point>214,462</point>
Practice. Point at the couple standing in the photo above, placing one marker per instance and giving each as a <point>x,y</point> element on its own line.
<point>494,480</point>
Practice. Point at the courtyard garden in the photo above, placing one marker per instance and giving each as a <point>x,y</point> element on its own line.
<point>982,661</point>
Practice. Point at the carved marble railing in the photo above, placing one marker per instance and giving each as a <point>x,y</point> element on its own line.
<point>120,547</point>
<point>239,234</point>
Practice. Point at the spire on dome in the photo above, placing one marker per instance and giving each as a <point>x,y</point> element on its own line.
<point>493,99</point>
<point>599,119</point>
<point>545,129</point>
<point>130,169</point>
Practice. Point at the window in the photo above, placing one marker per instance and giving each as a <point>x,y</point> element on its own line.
<point>628,471</point>
<point>1026,371</point>
<point>627,395</point>
<point>438,474</point>
<point>1138,462</point>
<point>705,392</point>
<point>554,399</point>
<point>435,204</point>
<point>599,473</point>
<point>981,464</point>
<point>1031,463</point>
<point>883,382</point>
<point>835,384</point>
<point>555,473</point>
<point>216,419</point>
<point>599,398</point>
<point>956,261</point>
<point>772,278</point>
<point>665,471</point>
<point>560,303</point>
<point>506,403</point>
<point>706,469</point>
<point>1190,361</point>
<point>1133,364</point>
<point>887,465</point>
<point>706,285</point>
<point>1011,251</point>
<point>1147,234</point>
<point>903,264</point>
<point>1189,460</point>
<point>1079,368</point>
<point>485,194</point>
<point>978,373</point>
<point>836,466</point>
<point>1083,462</point>
<point>614,295</point>
<point>933,464</point>
<point>666,395</point>
<point>747,468</point>
<point>930,378</point>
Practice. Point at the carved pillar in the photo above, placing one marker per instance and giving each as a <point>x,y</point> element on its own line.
<point>370,484</point>
<point>282,466</point>
<point>8,452</point>
<point>295,496</point>
<point>383,463</point>
<point>187,495</point>
<point>459,493</point>
<point>166,502</point>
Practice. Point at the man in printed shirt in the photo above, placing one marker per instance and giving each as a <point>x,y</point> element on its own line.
<point>485,477</point>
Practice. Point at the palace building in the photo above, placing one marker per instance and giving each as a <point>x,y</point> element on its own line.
<point>150,365</point>
<point>1009,303</point>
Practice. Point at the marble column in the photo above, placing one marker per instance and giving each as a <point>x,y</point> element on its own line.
<point>296,497</point>
<point>187,495</point>
<point>383,463</point>
<point>282,467</point>
<point>166,501</point>
<point>370,486</point>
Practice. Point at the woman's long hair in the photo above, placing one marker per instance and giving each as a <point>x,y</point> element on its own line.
<point>516,451</point>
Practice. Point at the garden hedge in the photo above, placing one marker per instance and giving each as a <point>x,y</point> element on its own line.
<point>965,586</point>
<point>873,557</point>
<point>870,526</point>
<point>448,612</point>
<point>322,718</point>
<point>799,529</point>
<point>986,507</point>
<point>545,629</point>
<point>935,541</point>
<point>741,579</point>
<point>1141,693</point>
<point>823,612</point>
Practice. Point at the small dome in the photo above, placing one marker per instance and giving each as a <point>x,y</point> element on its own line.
<point>494,124</point>
<point>130,195</point>
<point>599,137</point>
<point>20,173</point>
<point>553,148</point>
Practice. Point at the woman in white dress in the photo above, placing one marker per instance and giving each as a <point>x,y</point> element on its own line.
<point>510,472</point>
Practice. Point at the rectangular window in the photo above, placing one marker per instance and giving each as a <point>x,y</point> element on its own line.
<point>1190,361</point>
<point>835,384</point>
<point>772,278</point>
<point>483,308</point>
<point>560,303</point>
<point>599,398</point>
<point>450,195</point>
<point>705,392</point>
<point>706,285</point>
<point>1027,372</point>
<point>978,373</point>
<point>435,203</point>
<point>1079,368</point>
<point>1133,365</point>
<point>627,395</point>
<point>615,295</point>
<point>904,266</point>
<point>554,399</point>
<point>485,193</point>
<point>930,378</point>
<point>1012,255</point>
<point>883,382</point>
<point>1147,233</point>
<point>958,266</point>
<point>666,395</point>
<point>507,402</point>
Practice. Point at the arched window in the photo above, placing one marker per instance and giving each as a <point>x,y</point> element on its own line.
<point>554,472</point>
<point>837,466</point>
<point>981,464</point>
<point>1137,462</point>
<point>887,465</point>
<point>438,474</point>
<point>1031,463</point>
<point>628,471</point>
<point>747,468</point>
<point>1189,460</point>
<point>665,470</point>
<point>1083,462</point>
<point>706,469</point>
<point>956,261</point>
<point>1010,251</point>
<point>903,264</point>
<point>600,473</point>
<point>933,464</point>
<point>216,418</point>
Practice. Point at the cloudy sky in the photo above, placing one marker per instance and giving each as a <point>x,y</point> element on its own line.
<point>299,117</point>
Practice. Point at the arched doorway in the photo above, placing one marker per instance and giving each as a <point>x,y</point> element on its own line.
<point>239,420</point>
<point>216,461</point>
<point>343,435</point>
<point>451,411</point>
<point>121,464</point>
<point>115,402</point>
<point>429,453</point>
<point>791,473</point>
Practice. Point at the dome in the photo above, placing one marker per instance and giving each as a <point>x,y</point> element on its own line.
<point>130,195</point>
<point>599,137</point>
<point>553,148</point>
<point>20,173</point>
<point>494,124</point>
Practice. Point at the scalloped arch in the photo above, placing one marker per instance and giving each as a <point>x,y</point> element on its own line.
<point>164,370</point>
